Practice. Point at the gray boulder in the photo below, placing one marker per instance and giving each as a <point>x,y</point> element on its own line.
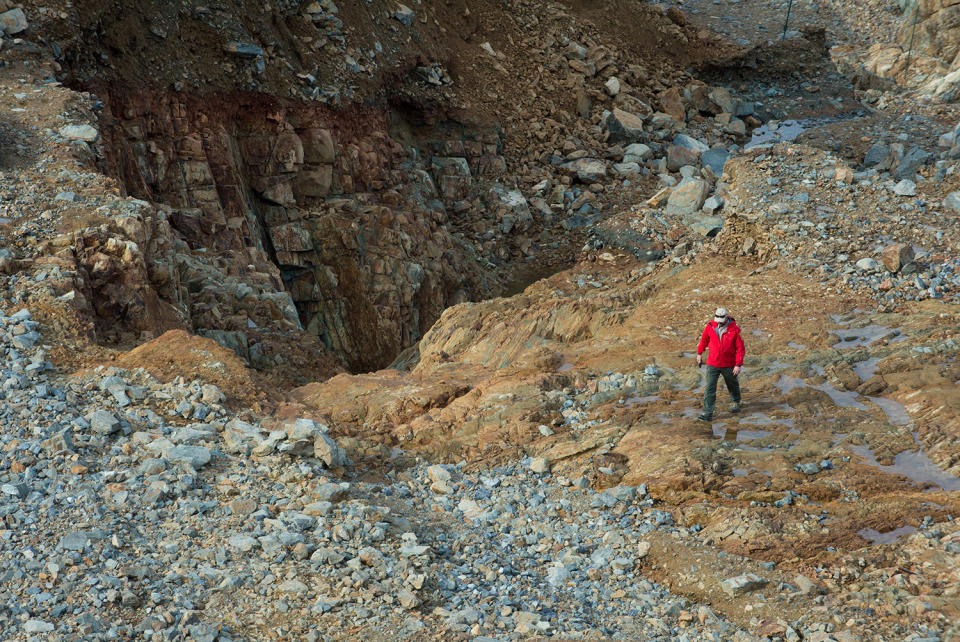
<point>326,450</point>
<point>102,422</point>
<point>715,159</point>
<point>587,170</point>
<point>13,22</point>
<point>623,126</point>
<point>688,197</point>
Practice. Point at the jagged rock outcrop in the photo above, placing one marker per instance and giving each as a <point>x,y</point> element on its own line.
<point>937,32</point>
<point>357,227</point>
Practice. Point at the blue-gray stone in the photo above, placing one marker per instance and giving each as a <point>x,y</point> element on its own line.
<point>75,541</point>
<point>715,159</point>
<point>809,468</point>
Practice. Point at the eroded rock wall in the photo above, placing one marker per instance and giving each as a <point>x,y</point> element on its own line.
<point>358,224</point>
<point>937,32</point>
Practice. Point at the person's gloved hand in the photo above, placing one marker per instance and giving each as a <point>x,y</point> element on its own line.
<point>736,370</point>
<point>699,360</point>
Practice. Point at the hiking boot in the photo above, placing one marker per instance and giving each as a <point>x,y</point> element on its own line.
<point>704,417</point>
<point>735,407</point>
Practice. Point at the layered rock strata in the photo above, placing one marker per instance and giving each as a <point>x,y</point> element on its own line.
<point>357,224</point>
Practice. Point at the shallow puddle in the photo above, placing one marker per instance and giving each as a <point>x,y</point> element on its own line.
<point>796,346</point>
<point>912,464</point>
<point>641,400</point>
<point>786,131</point>
<point>760,419</point>
<point>866,369</point>
<point>840,397</point>
<point>856,337</point>
<point>777,366</point>
<point>896,413</point>
<point>740,472</point>
<point>566,366</point>
<point>786,383</point>
<point>889,537</point>
<point>744,435</point>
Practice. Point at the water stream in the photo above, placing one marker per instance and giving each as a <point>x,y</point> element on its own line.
<point>896,413</point>
<point>641,400</point>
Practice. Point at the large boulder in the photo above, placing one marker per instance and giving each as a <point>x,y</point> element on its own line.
<point>952,202</point>
<point>13,22</point>
<point>896,256</point>
<point>623,126</point>
<point>671,103</point>
<point>876,156</point>
<point>688,197</point>
<point>715,159</point>
<point>240,437</point>
<point>682,140</point>
<point>513,210</point>
<point>723,99</point>
<point>911,161</point>
<point>587,170</point>
<point>636,153</point>
<point>678,157</point>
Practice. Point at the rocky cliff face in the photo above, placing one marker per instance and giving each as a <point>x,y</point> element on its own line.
<point>937,32</point>
<point>356,223</point>
<point>356,156</point>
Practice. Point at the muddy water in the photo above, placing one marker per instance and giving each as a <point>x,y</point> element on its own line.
<point>783,132</point>
<point>888,537</point>
<point>840,397</point>
<point>912,464</point>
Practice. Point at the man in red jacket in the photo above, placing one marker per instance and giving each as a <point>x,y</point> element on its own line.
<point>721,338</point>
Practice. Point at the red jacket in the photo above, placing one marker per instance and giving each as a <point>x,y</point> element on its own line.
<point>725,351</point>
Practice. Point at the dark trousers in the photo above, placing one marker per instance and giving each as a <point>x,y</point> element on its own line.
<point>710,393</point>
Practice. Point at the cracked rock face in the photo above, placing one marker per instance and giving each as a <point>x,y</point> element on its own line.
<point>938,29</point>
<point>357,230</point>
